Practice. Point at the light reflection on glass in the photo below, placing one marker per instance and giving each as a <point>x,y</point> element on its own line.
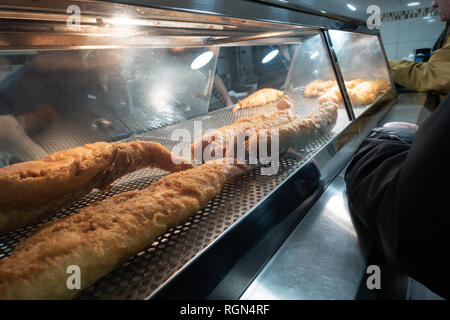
<point>351,7</point>
<point>202,60</point>
<point>270,56</point>
<point>314,55</point>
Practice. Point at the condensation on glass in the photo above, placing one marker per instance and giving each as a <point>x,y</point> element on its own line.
<point>360,57</point>
<point>66,98</point>
<point>311,75</point>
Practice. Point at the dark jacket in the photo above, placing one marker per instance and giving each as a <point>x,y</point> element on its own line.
<point>397,186</point>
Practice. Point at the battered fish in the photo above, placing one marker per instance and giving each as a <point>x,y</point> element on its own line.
<point>33,189</point>
<point>258,98</point>
<point>331,95</point>
<point>353,83</point>
<point>292,130</point>
<point>303,130</point>
<point>217,142</point>
<point>101,236</point>
<point>360,92</point>
<point>318,87</point>
<point>285,104</point>
<point>367,91</point>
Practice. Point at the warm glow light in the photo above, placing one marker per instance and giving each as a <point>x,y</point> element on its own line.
<point>351,7</point>
<point>160,97</point>
<point>338,213</point>
<point>124,21</point>
<point>272,54</point>
<point>202,60</point>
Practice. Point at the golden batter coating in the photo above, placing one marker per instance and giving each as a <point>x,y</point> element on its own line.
<point>33,189</point>
<point>101,236</point>
<point>292,130</point>
<point>331,95</point>
<point>285,103</point>
<point>367,91</point>
<point>258,98</point>
<point>360,92</point>
<point>318,123</point>
<point>215,143</point>
<point>318,87</point>
<point>302,130</point>
<point>353,83</point>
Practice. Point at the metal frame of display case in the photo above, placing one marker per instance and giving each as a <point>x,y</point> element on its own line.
<point>239,253</point>
<point>183,25</point>
<point>339,76</point>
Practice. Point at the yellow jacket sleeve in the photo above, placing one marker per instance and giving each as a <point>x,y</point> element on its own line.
<point>433,75</point>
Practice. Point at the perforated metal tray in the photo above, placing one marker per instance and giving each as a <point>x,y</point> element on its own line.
<point>142,274</point>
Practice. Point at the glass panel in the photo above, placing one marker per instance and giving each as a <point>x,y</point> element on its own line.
<point>311,75</point>
<point>63,99</point>
<point>67,98</point>
<point>289,67</point>
<point>57,100</point>
<point>246,69</point>
<point>363,67</point>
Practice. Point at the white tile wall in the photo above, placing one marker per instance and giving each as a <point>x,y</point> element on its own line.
<point>389,32</point>
<point>388,5</point>
<point>402,36</point>
<point>419,29</point>
<point>399,36</point>
<point>404,48</point>
<point>391,50</point>
<point>422,4</point>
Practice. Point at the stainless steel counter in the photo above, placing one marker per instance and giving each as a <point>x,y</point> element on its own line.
<point>322,257</point>
<point>320,260</point>
<point>410,107</point>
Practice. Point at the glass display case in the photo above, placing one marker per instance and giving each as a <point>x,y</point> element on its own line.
<point>134,73</point>
<point>93,95</point>
<point>369,64</point>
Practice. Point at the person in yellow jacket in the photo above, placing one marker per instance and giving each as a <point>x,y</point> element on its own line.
<point>433,75</point>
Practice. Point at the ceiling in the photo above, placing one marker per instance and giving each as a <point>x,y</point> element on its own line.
<point>354,8</point>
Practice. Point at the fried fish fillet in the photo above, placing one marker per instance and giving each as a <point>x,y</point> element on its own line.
<point>366,92</point>
<point>285,103</point>
<point>258,98</point>
<point>318,123</point>
<point>353,83</point>
<point>318,87</point>
<point>291,130</point>
<point>100,237</point>
<point>303,130</point>
<point>331,95</point>
<point>30,190</point>
<point>219,141</point>
<point>360,91</point>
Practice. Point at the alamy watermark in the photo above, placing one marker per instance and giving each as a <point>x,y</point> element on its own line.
<point>374,20</point>
<point>374,280</point>
<point>74,280</point>
<point>74,19</point>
